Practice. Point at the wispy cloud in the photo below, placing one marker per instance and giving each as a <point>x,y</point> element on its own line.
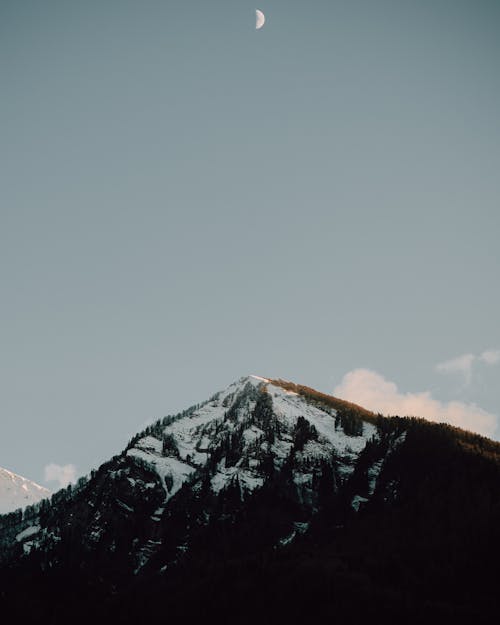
<point>371,390</point>
<point>461,364</point>
<point>490,356</point>
<point>464,364</point>
<point>64,475</point>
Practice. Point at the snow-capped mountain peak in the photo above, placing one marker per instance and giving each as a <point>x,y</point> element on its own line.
<point>257,417</point>
<point>256,437</point>
<point>265,489</point>
<point>18,492</point>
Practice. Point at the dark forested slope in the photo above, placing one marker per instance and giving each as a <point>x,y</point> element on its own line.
<point>270,502</point>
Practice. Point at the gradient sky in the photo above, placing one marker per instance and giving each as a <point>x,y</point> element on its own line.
<point>185,200</point>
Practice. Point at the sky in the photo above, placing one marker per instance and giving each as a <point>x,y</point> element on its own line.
<point>186,200</point>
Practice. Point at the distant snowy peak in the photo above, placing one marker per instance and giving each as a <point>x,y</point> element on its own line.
<point>18,492</point>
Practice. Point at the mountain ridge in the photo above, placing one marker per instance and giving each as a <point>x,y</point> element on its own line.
<point>263,473</point>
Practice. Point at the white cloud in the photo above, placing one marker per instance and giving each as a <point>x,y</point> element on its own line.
<point>63,474</point>
<point>490,356</point>
<point>461,364</point>
<point>464,364</point>
<point>371,390</point>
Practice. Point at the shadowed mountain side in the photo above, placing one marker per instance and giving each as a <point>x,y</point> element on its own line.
<point>273,502</point>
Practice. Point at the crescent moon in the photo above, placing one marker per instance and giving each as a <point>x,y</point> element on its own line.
<point>260,19</point>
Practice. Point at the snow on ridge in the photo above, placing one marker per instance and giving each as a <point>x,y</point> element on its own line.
<point>291,406</point>
<point>257,377</point>
<point>194,435</point>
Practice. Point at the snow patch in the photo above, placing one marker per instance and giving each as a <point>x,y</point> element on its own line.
<point>373,473</point>
<point>299,528</point>
<point>171,471</point>
<point>357,500</point>
<point>26,533</point>
<point>248,480</point>
<point>149,443</point>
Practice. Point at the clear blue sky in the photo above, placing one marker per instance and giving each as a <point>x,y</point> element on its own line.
<point>185,200</point>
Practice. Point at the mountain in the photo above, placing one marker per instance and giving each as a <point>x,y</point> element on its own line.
<point>18,492</point>
<point>273,502</point>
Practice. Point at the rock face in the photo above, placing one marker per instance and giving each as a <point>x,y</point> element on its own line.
<point>265,485</point>
<point>18,492</point>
